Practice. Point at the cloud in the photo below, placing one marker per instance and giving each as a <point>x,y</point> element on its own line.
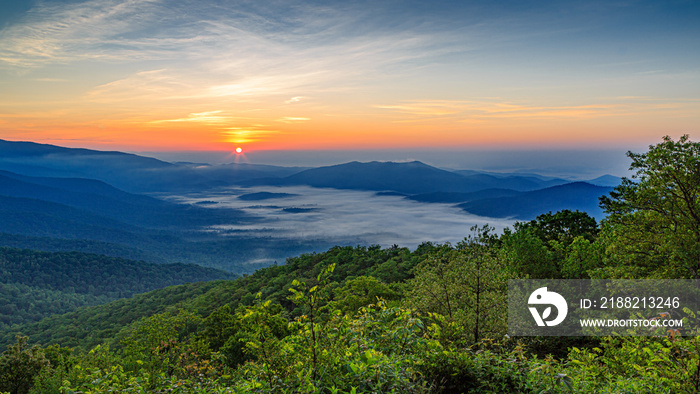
<point>247,134</point>
<point>211,50</point>
<point>166,61</point>
<point>151,85</point>
<point>63,33</point>
<point>290,119</point>
<point>210,117</point>
<point>490,109</point>
<point>352,217</point>
<point>51,79</point>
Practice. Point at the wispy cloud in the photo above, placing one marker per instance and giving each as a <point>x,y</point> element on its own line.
<point>247,134</point>
<point>291,119</point>
<point>210,117</point>
<point>66,32</point>
<point>252,52</point>
<point>170,64</point>
<point>420,110</point>
<point>211,50</point>
<point>152,85</point>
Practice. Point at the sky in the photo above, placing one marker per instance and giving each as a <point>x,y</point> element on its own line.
<point>326,76</point>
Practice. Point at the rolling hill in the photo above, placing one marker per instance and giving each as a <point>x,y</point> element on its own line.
<point>407,178</point>
<point>67,214</point>
<point>580,196</point>
<point>453,197</point>
<point>606,180</point>
<point>101,199</point>
<point>88,326</point>
<point>79,199</point>
<point>35,284</point>
<point>127,171</point>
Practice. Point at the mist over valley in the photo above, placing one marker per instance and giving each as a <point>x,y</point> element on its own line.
<point>241,216</point>
<point>343,217</point>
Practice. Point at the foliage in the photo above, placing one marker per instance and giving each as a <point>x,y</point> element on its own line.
<point>162,342</point>
<point>562,226</point>
<point>324,346</point>
<point>529,256</point>
<point>87,327</point>
<point>38,284</point>
<point>655,216</point>
<point>376,351</point>
<point>19,364</point>
<point>362,291</point>
<point>560,245</point>
<point>581,257</point>
<point>638,364</point>
<point>466,284</point>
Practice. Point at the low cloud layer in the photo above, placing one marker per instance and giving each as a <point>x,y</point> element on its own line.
<point>347,217</point>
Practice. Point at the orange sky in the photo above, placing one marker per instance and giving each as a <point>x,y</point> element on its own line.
<point>112,74</point>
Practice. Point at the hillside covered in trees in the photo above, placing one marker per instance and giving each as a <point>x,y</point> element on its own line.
<point>382,320</point>
<point>38,284</point>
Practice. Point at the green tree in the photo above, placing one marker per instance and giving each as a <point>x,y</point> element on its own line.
<point>563,226</point>
<point>435,286</point>
<point>538,249</point>
<point>530,256</point>
<point>160,341</point>
<point>361,291</point>
<point>312,299</point>
<point>485,279</point>
<point>582,256</point>
<point>261,330</point>
<point>466,284</point>
<point>19,365</point>
<point>655,216</point>
<point>218,327</point>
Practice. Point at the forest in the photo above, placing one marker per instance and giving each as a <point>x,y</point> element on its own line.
<point>392,320</point>
<point>39,284</point>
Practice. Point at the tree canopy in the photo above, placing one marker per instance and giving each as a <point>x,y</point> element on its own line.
<point>655,215</point>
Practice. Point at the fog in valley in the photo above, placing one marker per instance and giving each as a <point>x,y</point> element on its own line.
<point>344,217</point>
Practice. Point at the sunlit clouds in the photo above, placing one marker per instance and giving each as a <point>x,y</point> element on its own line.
<point>292,119</point>
<point>211,117</point>
<point>417,110</point>
<point>166,74</point>
<point>57,32</point>
<point>247,135</point>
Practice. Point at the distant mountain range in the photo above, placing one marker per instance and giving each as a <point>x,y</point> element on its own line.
<point>126,171</point>
<point>137,173</point>
<point>55,196</point>
<point>606,180</point>
<point>58,213</point>
<point>101,199</point>
<point>454,197</point>
<point>580,196</point>
<point>144,174</point>
<point>409,178</point>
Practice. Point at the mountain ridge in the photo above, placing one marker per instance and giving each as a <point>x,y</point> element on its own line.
<point>580,196</point>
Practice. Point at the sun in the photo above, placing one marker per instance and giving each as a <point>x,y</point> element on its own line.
<point>239,150</point>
